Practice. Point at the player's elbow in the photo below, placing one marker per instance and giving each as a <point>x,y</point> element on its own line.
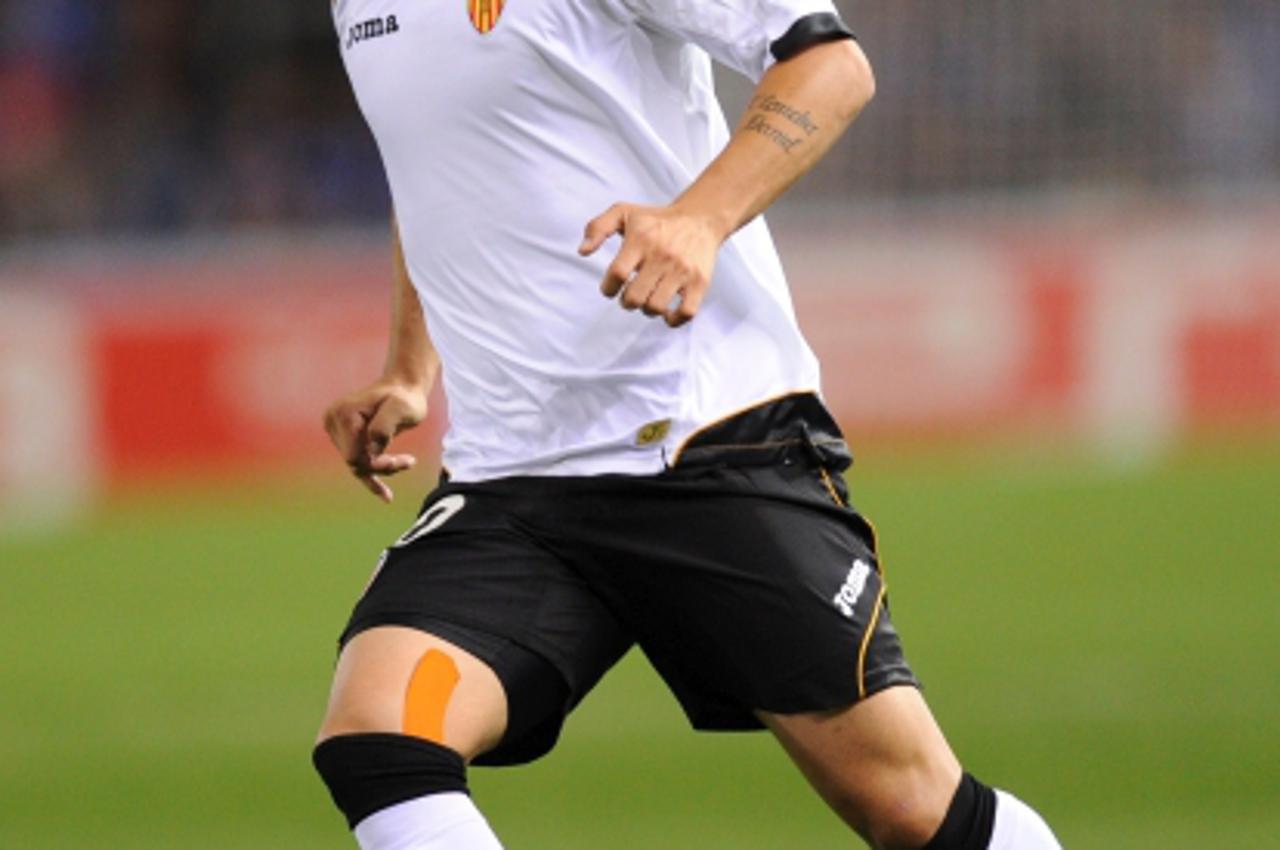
<point>857,77</point>
<point>844,75</point>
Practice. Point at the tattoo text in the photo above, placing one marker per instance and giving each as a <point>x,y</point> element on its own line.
<point>766,107</point>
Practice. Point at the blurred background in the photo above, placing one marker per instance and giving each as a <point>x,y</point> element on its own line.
<point>1042,273</point>
<point>169,117</point>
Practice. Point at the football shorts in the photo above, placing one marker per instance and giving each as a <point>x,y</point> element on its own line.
<point>741,571</point>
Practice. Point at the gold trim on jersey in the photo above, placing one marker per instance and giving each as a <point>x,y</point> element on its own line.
<point>831,487</point>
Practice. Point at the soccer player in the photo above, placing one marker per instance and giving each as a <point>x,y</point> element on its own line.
<point>651,467</point>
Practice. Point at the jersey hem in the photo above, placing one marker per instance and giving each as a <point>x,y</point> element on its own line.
<point>651,463</point>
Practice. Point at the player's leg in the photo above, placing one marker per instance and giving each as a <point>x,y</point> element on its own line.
<point>774,599</point>
<point>458,701</point>
<point>408,711</point>
<point>505,640</point>
<point>884,766</point>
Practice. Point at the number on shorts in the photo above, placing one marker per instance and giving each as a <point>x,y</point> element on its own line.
<point>432,518</point>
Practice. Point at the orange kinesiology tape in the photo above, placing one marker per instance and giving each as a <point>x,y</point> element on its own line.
<point>430,688</point>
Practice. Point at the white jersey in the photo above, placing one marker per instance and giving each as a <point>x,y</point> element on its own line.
<point>504,128</point>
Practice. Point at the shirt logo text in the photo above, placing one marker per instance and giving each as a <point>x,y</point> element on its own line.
<point>371,29</point>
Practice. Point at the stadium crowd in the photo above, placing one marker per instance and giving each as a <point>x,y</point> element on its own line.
<point>173,115</point>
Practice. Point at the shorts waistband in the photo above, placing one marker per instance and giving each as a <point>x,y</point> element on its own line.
<point>797,426</point>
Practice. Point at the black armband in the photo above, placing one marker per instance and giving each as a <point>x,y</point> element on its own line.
<point>812,29</point>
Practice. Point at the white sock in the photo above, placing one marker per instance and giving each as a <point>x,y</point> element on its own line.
<point>447,821</point>
<point>1018,827</point>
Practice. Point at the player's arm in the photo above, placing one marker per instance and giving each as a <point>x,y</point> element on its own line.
<point>362,424</point>
<point>799,109</point>
<point>797,112</point>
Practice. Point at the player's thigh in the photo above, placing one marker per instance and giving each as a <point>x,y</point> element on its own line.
<point>400,680</point>
<point>882,764</point>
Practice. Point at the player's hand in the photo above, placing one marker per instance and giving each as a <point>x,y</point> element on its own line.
<point>665,263</point>
<point>362,424</point>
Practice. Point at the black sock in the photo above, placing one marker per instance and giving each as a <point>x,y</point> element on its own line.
<point>367,773</point>
<point>969,820</point>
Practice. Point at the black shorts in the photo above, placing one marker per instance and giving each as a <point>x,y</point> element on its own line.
<point>741,571</point>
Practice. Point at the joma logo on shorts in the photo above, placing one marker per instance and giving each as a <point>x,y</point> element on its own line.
<point>851,591</point>
<point>370,29</point>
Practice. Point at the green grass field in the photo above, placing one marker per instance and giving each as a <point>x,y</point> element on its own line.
<point>1106,642</point>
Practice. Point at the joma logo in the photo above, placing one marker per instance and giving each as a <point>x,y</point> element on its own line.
<point>851,591</point>
<point>370,29</point>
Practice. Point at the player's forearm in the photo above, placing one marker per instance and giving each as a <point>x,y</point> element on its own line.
<point>411,358</point>
<point>799,109</point>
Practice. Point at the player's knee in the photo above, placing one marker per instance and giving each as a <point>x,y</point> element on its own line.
<point>901,811</point>
<point>366,773</point>
<point>982,818</point>
<point>435,694</point>
<point>905,823</point>
<point>357,713</point>
<point>905,832</point>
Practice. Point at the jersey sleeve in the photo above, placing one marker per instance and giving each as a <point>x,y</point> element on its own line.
<point>746,35</point>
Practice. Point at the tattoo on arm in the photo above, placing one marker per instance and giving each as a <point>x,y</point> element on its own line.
<point>763,108</point>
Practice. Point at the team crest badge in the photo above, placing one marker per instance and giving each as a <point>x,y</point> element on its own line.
<point>484,14</point>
